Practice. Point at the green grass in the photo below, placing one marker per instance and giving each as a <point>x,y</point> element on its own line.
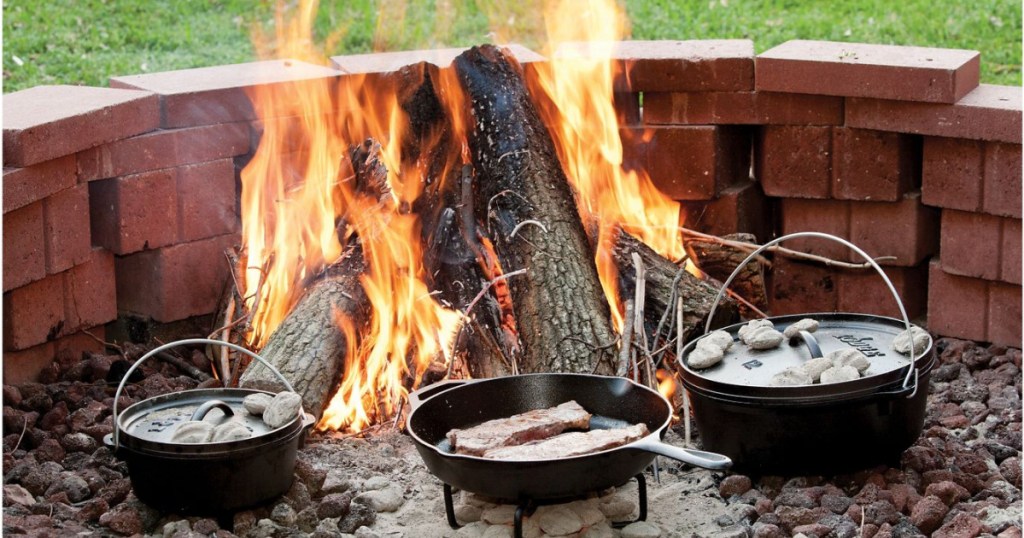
<point>88,41</point>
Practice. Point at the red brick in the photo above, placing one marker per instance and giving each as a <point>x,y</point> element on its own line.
<point>1004,314</point>
<point>211,95</point>
<point>90,292</point>
<point>25,366</point>
<point>206,200</point>
<point>135,212</point>
<point>34,314</point>
<point>174,282</point>
<point>951,173</point>
<point>987,113</point>
<point>163,149</point>
<point>906,229</point>
<point>971,244</point>
<point>697,162</point>
<point>825,216</point>
<point>686,66</point>
<point>47,122</point>
<point>1010,253</point>
<point>739,208</point>
<point>863,291</point>
<point>801,288</point>
<point>751,108</point>
<point>873,165</point>
<point>24,246</point>
<point>66,225</point>
<point>957,306</point>
<point>389,62</point>
<point>795,161</point>
<point>22,186</point>
<point>863,70</point>
<point>1002,180</point>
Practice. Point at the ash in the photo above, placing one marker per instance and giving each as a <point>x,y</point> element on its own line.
<point>961,478</point>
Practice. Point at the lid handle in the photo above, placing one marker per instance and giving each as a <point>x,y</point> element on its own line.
<point>169,345</point>
<point>202,410</point>
<point>808,340</point>
<point>911,368</point>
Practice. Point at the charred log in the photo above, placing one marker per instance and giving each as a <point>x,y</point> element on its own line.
<point>719,261</point>
<point>526,202</point>
<point>660,274</point>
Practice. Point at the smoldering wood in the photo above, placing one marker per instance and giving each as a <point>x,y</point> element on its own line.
<point>719,260</point>
<point>660,274</point>
<point>563,318</point>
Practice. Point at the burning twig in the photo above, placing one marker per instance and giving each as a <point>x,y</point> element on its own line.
<point>638,314</point>
<point>627,339</point>
<point>488,286</point>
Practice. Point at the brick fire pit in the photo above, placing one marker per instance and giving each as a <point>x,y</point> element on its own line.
<point>120,200</point>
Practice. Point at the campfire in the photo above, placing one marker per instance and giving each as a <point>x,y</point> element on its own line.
<point>460,220</point>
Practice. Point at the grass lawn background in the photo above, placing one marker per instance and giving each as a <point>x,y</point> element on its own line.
<point>88,41</point>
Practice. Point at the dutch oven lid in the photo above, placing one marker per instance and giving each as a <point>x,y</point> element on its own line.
<point>748,372</point>
<point>156,419</point>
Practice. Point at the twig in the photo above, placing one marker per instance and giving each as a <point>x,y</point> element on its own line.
<point>748,304</point>
<point>524,223</point>
<point>184,366</point>
<point>679,357</point>
<point>487,287</point>
<point>627,337</point>
<point>24,428</point>
<point>119,349</point>
<point>750,247</point>
<point>638,310</point>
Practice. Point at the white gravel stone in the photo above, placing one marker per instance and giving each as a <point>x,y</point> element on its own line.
<point>336,482</point>
<point>558,520</point>
<point>389,499</point>
<point>467,513</point>
<point>705,355</point>
<point>792,376</point>
<point>641,529</point>
<point>498,515</point>
<point>473,530</point>
<point>601,530</point>
<point>839,374</point>
<point>849,357</point>
<point>231,430</point>
<point>366,532</point>
<point>282,410</point>
<point>815,367</point>
<point>721,339</point>
<point>617,507</point>
<point>919,336</point>
<point>806,324</point>
<point>499,531</point>
<point>194,431</point>
<point>181,525</point>
<point>256,403</point>
<point>375,483</point>
<point>588,511</point>
<point>19,495</point>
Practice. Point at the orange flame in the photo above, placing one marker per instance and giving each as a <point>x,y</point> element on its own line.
<point>666,383</point>
<point>298,187</point>
<point>578,83</point>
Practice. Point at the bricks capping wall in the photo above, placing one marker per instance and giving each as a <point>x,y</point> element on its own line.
<point>897,148</point>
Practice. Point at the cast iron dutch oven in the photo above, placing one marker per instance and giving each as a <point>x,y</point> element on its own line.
<point>819,428</point>
<point>613,402</point>
<point>204,478</point>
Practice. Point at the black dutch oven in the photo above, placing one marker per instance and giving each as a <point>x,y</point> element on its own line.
<point>614,402</point>
<point>204,478</point>
<point>819,428</point>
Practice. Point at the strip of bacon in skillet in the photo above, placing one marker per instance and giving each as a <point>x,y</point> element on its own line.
<point>519,429</point>
<point>569,444</point>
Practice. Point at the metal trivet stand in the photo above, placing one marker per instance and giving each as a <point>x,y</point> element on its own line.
<point>527,507</point>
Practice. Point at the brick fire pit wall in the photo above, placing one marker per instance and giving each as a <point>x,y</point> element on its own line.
<point>121,200</point>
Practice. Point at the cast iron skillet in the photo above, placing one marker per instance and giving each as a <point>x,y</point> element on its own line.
<point>612,400</point>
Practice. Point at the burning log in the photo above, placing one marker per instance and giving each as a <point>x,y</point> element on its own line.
<point>309,347</point>
<point>660,274</point>
<point>525,200</point>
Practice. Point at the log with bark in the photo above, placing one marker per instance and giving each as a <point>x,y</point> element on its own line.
<point>525,200</point>
<point>660,273</point>
<point>308,347</point>
<point>719,260</point>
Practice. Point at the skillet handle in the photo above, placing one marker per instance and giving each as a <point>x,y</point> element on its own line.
<point>698,458</point>
<point>417,397</point>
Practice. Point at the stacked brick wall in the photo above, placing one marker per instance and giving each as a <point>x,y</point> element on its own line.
<point>122,200</point>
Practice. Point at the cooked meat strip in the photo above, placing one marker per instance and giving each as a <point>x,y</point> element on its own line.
<point>519,429</point>
<point>569,444</point>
